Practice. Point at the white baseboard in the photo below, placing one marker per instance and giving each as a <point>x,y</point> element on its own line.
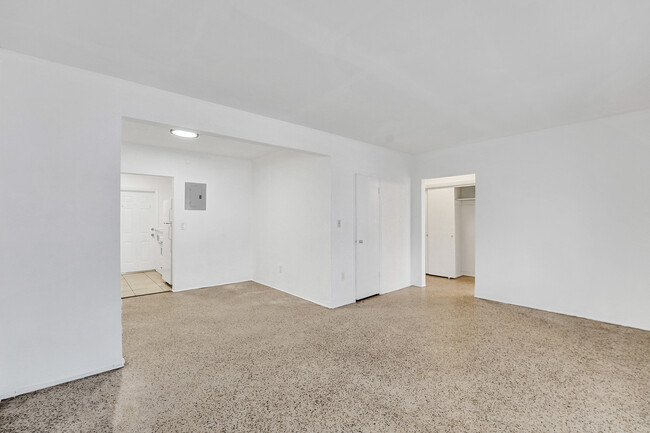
<point>176,289</point>
<point>394,290</point>
<point>293,294</point>
<point>566,313</point>
<point>341,303</point>
<point>43,385</point>
<point>258,282</point>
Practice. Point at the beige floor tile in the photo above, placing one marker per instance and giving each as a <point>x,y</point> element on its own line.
<point>134,278</point>
<point>150,288</point>
<point>137,282</point>
<point>157,278</point>
<point>143,283</point>
<point>154,276</point>
<point>154,288</point>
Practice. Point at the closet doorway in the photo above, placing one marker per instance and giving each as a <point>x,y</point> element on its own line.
<point>449,226</point>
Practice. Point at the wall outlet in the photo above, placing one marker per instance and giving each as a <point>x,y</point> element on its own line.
<point>280,269</point>
<point>342,276</point>
<point>338,223</point>
<point>182,226</point>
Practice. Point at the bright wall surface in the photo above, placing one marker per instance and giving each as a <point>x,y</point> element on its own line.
<point>213,246</point>
<point>561,217</point>
<point>59,237</point>
<point>291,224</point>
<point>467,210</point>
<point>60,137</point>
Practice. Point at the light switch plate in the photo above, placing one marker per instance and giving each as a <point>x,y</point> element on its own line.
<point>195,197</point>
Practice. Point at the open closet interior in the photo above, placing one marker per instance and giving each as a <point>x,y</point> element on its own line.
<point>450,216</point>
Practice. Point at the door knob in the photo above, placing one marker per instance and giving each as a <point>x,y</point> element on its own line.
<point>360,241</point>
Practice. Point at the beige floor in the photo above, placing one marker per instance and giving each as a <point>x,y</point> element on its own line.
<point>245,357</point>
<point>143,283</point>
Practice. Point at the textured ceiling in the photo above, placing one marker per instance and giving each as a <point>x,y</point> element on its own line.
<point>412,75</point>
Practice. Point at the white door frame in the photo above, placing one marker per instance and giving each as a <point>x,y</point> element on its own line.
<point>172,228</point>
<point>379,240</point>
<point>431,231</point>
<point>429,183</point>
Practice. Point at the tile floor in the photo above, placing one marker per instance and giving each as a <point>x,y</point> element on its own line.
<point>143,283</point>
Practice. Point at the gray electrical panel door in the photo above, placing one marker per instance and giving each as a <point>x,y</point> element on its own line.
<point>194,196</point>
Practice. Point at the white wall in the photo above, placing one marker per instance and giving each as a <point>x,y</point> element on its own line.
<point>215,245</point>
<point>467,211</point>
<point>561,217</point>
<point>291,224</point>
<point>60,135</point>
<point>59,225</point>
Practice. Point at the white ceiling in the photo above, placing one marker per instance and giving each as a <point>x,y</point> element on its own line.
<point>413,75</point>
<point>152,134</point>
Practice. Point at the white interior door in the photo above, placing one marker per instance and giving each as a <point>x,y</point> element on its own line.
<point>441,228</point>
<point>138,218</point>
<point>368,236</point>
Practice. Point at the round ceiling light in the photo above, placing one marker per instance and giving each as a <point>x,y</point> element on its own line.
<point>183,134</point>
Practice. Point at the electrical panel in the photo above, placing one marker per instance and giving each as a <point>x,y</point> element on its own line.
<point>195,196</point>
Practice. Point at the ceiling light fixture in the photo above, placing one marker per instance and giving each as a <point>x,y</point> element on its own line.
<point>183,134</point>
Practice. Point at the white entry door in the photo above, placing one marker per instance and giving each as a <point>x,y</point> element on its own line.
<point>441,231</point>
<point>368,236</point>
<point>138,218</point>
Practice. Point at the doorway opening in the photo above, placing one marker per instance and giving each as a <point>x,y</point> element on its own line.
<point>145,234</point>
<point>241,210</point>
<point>449,210</point>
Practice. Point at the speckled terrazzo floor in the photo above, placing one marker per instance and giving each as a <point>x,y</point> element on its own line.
<point>248,358</point>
